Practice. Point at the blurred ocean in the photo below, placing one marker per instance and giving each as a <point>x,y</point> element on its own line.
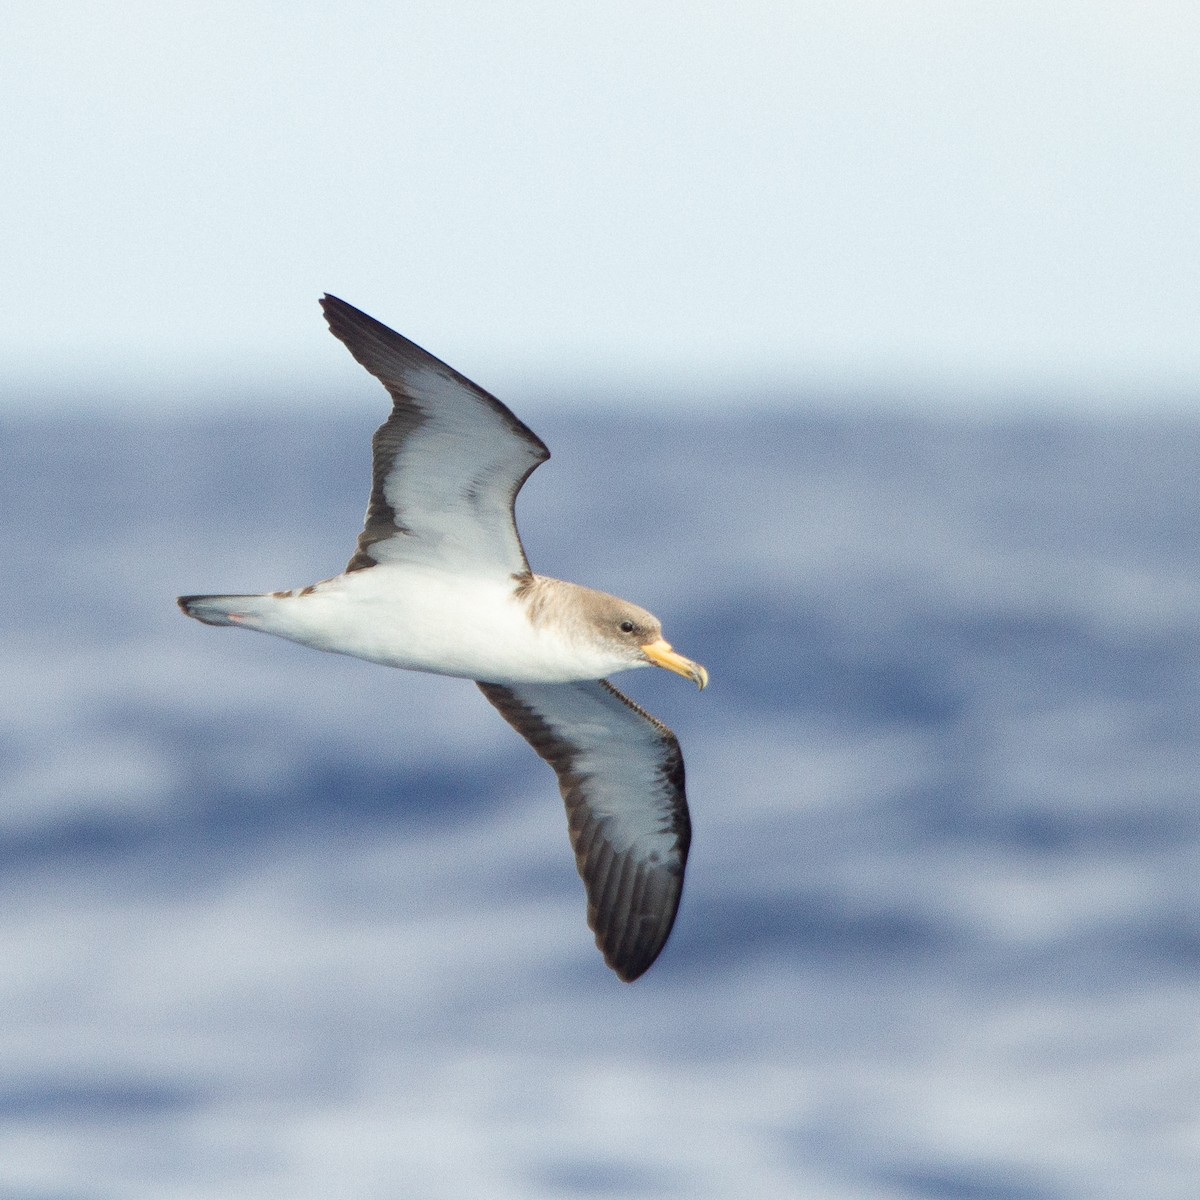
<point>279,924</point>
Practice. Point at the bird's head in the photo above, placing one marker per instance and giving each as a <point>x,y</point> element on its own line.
<point>626,624</point>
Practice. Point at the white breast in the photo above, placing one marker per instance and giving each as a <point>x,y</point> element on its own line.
<point>425,620</point>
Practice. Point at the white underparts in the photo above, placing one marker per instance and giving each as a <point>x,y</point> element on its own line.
<point>423,619</point>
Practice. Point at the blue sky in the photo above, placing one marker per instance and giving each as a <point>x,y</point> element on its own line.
<point>952,201</point>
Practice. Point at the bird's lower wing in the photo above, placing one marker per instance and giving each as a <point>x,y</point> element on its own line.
<point>621,775</point>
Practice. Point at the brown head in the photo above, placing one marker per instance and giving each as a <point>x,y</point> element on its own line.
<point>622,624</point>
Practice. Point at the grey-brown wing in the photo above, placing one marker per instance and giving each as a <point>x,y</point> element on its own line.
<point>621,774</point>
<point>448,462</point>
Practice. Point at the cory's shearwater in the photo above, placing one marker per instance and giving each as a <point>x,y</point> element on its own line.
<point>439,582</point>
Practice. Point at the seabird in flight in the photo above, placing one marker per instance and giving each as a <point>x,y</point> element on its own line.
<point>439,582</point>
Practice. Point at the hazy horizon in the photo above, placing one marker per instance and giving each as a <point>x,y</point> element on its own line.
<point>932,199</point>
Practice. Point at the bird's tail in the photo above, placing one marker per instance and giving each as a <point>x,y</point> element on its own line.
<point>221,610</point>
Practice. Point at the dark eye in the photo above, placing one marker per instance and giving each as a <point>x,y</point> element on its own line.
<point>626,627</point>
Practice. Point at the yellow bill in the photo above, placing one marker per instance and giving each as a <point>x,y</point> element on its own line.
<point>661,655</point>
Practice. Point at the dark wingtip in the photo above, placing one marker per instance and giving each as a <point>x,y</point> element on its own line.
<point>631,936</point>
<point>341,316</point>
<point>377,346</point>
<point>627,974</point>
<point>632,963</point>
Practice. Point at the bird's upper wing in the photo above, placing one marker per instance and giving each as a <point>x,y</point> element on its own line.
<point>448,463</point>
<point>621,774</point>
